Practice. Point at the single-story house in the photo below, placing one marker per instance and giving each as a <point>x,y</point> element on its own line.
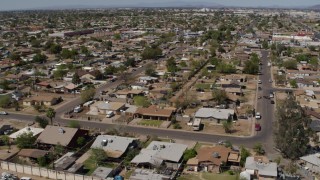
<point>32,154</point>
<point>115,146</point>
<point>139,86</point>
<point>47,100</point>
<point>153,112</point>
<point>148,79</point>
<point>215,114</point>
<point>158,153</point>
<point>101,107</point>
<point>312,162</point>
<point>213,157</point>
<point>65,136</point>
<point>128,93</point>
<point>34,131</point>
<point>259,167</point>
<point>235,91</point>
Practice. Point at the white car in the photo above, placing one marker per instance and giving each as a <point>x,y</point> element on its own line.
<point>259,82</point>
<point>3,113</point>
<point>258,115</point>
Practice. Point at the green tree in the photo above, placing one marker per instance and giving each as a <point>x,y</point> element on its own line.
<point>88,94</point>
<point>141,101</point>
<point>5,101</point>
<point>293,83</point>
<point>220,96</point>
<point>25,140</point>
<point>314,62</point>
<point>42,161</point>
<point>81,141</point>
<point>99,156</point>
<point>150,71</point>
<point>188,154</point>
<point>74,124</point>
<point>258,149</point>
<point>59,73</point>
<point>55,48</point>
<point>6,141</point>
<point>15,56</point>
<point>130,62</point>
<point>51,113</point>
<point>291,129</point>
<point>226,68</point>
<point>110,70</point>
<point>227,126</point>
<point>244,153</point>
<point>117,36</point>
<point>151,53</point>
<point>171,65</point>
<point>43,122</point>
<point>40,58</point>
<point>290,64</point>
<point>265,44</point>
<point>76,79</point>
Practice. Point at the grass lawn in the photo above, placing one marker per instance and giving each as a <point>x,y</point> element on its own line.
<point>90,165</point>
<point>202,86</point>
<point>145,122</point>
<point>219,176</point>
<point>208,176</point>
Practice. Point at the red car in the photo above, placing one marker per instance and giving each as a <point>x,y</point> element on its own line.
<point>257,127</point>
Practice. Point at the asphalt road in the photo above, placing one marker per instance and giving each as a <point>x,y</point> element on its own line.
<point>263,106</point>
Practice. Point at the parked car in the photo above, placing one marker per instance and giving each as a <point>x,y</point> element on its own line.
<point>3,113</point>
<point>110,114</point>
<point>258,115</point>
<point>259,82</point>
<point>272,101</point>
<point>257,127</point>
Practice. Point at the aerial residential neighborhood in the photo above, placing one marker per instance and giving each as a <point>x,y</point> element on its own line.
<point>197,92</point>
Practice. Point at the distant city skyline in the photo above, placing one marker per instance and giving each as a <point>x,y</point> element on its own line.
<point>47,4</point>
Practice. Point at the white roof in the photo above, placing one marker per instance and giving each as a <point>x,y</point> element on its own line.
<point>246,175</point>
<point>265,169</point>
<point>158,151</point>
<point>312,159</point>
<point>214,113</point>
<point>116,144</point>
<point>34,131</point>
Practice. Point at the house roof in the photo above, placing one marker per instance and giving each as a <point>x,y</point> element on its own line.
<point>208,154</point>
<point>263,168</point>
<point>32,153</point>
<point>154,111</point>
<point>70,86</point>
<point>57,135</point>
<point>43,83</point>
<point>34,131</point>
<point>315,125</point>
<point>115,146</point>
<point>312,159</point>
<point>214,113</point>
<point>113,106</point>
<point>102,172</point>
<point>158,151</point>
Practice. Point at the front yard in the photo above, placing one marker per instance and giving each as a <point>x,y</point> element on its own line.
<point>155,123</point>
<point>207,176</point>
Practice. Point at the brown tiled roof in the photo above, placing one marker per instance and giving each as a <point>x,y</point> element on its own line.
<point>154,111</point>
<point>205,154</point>
<point>57,135</point>
<point>32,153</point>
<point>43,83</point>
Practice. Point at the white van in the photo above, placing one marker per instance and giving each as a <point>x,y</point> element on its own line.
<point>110,114</point>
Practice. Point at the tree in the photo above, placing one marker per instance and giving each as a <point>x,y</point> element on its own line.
<point>40,58</point>
<point>151,53</point>
<point>290,64</point>
<point>51,113</point>
<point>88,94</point>
<point>41,121</point>
<point>293,83</point>
<point>227,126</point>
<point>6,140</point>
<point>42,161</point>
<point>141,101</point>
<point>226,68</point>
<point>314,62</point>
<point>244,153</point>
<point>251,67</point>
<point>110,70</point>
<point>76,79</point>
<point>171,65</point>
<point>150,71</point>
<point>99,156</point>
<point>25,140</point>
<point>188,154</point>
<point>59,73</point>
<point>15,57</point>
<point>258,149</point>
<point>291,129</point>
<point>130,62</point>
<point>117,36</point>
<point>55,48</point>
<point>74,124</point>
<point>5,101</point>
<point>81,141</point>
<point>220,96</point>
<point>265,44</point>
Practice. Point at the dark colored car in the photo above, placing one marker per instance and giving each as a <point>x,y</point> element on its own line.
<point>272,101</point>
<point>257,127</point>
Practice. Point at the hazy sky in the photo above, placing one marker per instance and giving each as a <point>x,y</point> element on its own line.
<point>31,4</point>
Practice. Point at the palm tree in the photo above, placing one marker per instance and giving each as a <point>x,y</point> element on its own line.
<point>51,113</point>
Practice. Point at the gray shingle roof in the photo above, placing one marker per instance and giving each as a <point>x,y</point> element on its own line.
<point>265,169</point>
<point>214,113</point>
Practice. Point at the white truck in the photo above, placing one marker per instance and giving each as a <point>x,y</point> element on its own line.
<point>196,124</point>
<point>77,109</point>
<point>269,64</point>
